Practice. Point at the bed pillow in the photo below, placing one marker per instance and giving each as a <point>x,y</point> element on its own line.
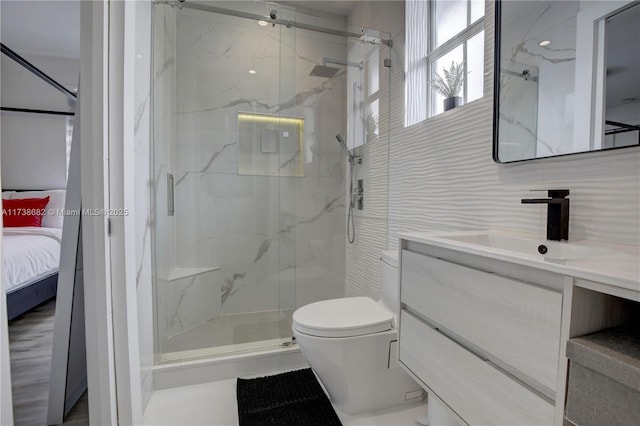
<point>23,212</point>
<point>53,217</point>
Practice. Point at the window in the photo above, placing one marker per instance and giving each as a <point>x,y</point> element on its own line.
<point>363,96</point>
<point>454,34</point>
<point>372,101</point>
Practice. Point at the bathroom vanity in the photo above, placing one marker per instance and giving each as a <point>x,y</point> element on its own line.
<point>485,317</point>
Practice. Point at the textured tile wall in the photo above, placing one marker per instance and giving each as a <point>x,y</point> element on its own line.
<point>442,176</point>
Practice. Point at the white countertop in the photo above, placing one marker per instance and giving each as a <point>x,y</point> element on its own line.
<point>615,264</point>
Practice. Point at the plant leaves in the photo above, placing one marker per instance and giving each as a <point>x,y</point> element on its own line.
<point>451,84</point>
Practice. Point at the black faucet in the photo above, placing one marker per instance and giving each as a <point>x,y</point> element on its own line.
<point>557,213</point>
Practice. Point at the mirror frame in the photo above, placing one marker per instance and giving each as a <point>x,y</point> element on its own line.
<point>496,92</point>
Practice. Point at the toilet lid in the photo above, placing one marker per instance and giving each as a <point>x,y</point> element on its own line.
<point>347,317</point>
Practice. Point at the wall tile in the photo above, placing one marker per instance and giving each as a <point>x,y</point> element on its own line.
<point>442,176</point>
<point>278,240</point>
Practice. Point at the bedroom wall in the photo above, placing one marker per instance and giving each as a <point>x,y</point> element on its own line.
<point>34,145</point>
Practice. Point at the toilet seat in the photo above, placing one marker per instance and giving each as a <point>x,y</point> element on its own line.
<point>347,317</point>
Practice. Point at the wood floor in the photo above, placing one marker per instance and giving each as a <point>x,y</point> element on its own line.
<point>30,343</point>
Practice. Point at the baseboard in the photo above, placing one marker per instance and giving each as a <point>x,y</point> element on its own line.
<point>246,365</point>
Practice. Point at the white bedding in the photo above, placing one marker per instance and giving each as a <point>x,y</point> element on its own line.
<point>28,255</point>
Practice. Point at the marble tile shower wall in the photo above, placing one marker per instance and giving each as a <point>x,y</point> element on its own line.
<point>142,139</point>
<point>279,241</point>
<point>163,235</point>
<point>535,101</point>
<point>164,71</point>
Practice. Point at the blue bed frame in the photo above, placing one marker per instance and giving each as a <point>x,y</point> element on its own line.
<point>27,298</point>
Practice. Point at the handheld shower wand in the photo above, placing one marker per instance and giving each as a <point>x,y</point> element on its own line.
<point>352,158</point>
<point>344,146</point>
<point>351,226</point>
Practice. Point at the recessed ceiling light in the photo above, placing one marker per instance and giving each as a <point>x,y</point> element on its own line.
<point>263,23</point>
<point>545,43</point>
<point>252,72</point>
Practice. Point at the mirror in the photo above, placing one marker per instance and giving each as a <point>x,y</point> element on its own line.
<point>567,78</point>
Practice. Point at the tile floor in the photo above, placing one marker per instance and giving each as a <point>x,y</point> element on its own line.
<point>215,404</point>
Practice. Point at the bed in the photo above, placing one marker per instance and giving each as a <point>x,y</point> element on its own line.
<point>31,256</point>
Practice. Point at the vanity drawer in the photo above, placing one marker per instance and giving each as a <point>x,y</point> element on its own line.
<point>477,391</point>
<point>516,324</point>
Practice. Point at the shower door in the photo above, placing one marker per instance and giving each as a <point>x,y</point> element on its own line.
<point>249,184</point>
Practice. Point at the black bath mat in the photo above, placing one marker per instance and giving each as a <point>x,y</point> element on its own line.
<point>288,399</point>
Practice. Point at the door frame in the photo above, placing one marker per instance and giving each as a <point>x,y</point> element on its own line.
<point>113,359</point>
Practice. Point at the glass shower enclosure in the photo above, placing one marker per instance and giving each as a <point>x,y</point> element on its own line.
<point>249,182</point>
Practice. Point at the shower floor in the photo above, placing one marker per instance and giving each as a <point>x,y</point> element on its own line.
<point>234,329</point>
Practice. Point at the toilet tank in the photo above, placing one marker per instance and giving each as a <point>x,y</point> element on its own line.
<point>390,286</point>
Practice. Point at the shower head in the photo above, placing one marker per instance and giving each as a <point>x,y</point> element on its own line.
<point>328,72</point>
<point>344,146</point>
<point>323,71</point>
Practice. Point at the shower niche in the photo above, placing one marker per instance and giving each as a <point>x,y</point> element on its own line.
<point>270,145</point>
<point>247,130</point>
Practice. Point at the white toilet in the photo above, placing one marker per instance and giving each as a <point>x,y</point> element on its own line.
<point>352,346</point>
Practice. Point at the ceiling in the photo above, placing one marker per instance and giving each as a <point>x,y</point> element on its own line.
<point>50,28</point>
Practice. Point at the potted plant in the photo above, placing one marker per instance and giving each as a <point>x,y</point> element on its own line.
<point>450,85</point>
<point>371,124</point>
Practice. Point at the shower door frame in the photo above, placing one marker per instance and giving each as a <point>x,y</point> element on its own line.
<point>111,321</point>
<point>232,349</point>
<point>276,21</point>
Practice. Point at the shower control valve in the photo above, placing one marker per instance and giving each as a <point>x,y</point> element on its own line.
<point>356,159</point>
<point>359,195</point>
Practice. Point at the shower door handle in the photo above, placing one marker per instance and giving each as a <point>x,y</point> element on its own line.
<point>170,199</point>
